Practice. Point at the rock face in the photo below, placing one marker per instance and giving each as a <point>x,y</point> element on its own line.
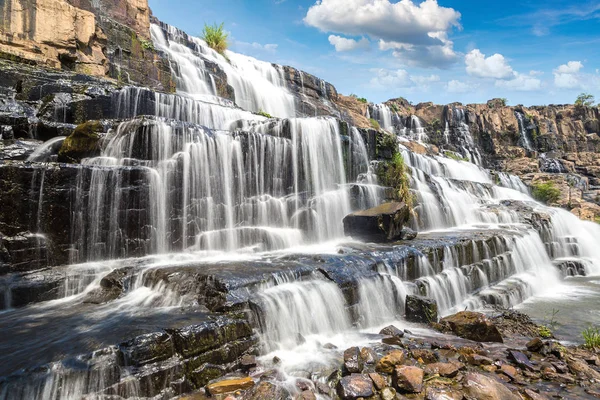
<point>473,326</point>
<point>102,38</point>
<point>481,387</point>
<point>421,309</point>
<point>355,386</point>
<point>380,224</point>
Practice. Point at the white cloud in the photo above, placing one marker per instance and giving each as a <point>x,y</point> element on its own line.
<point>455,86</point>
<point>417,33</point>
<point>494,66</point>
<point>344,44</point>
<point>567,76</point>
<point>269,47</point>
<point>400,78</point>
<point>521,83</point>
<point>572,67</point>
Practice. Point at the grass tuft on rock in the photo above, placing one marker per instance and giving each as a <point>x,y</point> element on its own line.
<point>546,192</point>
<point>394,174</point>
<point>216,38</point>
<point>591,336</point>
<point>375,124</point>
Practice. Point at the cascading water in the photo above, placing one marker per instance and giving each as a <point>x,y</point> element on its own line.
<point>523,138</point>
<point>463,136</point>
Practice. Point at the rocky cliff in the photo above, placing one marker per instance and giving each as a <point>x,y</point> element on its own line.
<point>99,38</point>
<point>554,143</point>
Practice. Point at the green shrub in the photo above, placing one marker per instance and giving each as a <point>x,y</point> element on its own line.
<point>455,156</point>
<point>265,114</point>
<point>216,37</point>
<point>546,192</point>
<point>362,100</point>
<point>394,174</point>
<point>504,101</point>
<point>585,100</point>
<point>375,124</point>
<point>591,336</point>
<point>147,44</point>
<point>545,332</point>
<point>394,107</point>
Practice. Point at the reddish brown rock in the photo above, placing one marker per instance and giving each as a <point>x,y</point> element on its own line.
<point>387,363</point>
<point>354,386</point>
<point>408,379</point>
<point>481,387</point>
<point>473,326</point>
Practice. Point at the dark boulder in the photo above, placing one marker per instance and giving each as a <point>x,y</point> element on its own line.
<point>355,386</point>
<point>84,142</point>
<point>384,223</point>
<point>473,326</point>
<point>352,360</point>
<point>421,309</point>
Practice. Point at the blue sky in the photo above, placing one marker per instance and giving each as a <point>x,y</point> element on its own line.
<point>530,52</point>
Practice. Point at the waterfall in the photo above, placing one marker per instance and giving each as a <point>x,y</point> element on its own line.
<point>258,85</point>
<point>523,138</point>
<point>465,141</point>
<point>279,185</point>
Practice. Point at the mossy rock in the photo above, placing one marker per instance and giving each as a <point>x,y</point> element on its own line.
<point>84,142</point>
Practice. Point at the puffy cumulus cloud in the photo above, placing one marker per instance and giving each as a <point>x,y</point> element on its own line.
<point>569,76</point>
<point>521,83</point>
<point>455,86</point>
<point>417,33</point>
<point>494,66</point>
<point>439,56</point>
<point>269,47</point>
<point>572,67</point>
<point>344,44</point>
<point>400,78</point>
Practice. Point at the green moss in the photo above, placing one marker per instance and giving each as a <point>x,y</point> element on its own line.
<point>83,142</point>
<point>545,332</point>
<point>394,107</point>
<point>375,124</point>
<point>546,192</point>
<point>394,174</point>
<point>264,114</point>
<point>455,156</point>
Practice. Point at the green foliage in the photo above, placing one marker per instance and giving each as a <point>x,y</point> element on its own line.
<point>375,124</point>
<point>545,332</point>
<point>147,44</point>
<point>265,114</point>
<point>546,192</point>
<point>362,100</point>
<point>585,100</point>
<point>394,174</point>
<point>455,156</point>
<point>504,101</point>
<point>394,107</point>
<point>591,336</point>
<point>216,37</point>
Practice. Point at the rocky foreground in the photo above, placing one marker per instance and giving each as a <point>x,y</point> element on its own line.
<point>499,357</point>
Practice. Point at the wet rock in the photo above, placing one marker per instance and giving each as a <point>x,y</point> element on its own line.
<point>378,380</point>
<point>531,395</point>
<point>330,346</point>
<point>476,359</point>
<point>535,345</point>
<point>229,385</point>
<point>421,309</point>
<point>392,340</point>
<point>481,387</point>
<point>354,386</point>
<point>352,360</point>
<point>424,356</point>
<point>408,234</point>
<point>306,395</point>
<point>84,142</point>
<point>442,394</point>
<point>147,349</point>
<point>446,370</point>
<point>473,326</point>
<point>408,379</point>
<point>248,362</point>
<point>267,391</point>
<point>368,355</point>
<point>388,393</point>
<point>380,224</point>
<point>392,331</point>
<point>388,362</point>
<point>509,371</point>
<point>581,368</point>
<point>521,360</point>
<point>206,373</point>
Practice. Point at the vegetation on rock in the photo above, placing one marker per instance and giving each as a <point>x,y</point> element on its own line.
<point>591,336</point>
<point>375,124</point>
<point>82,143</point>
<point>264,114</point>
<point>585,100</point>
<point>394,174</point>
<point>215,37</point>
<point>546,192</point>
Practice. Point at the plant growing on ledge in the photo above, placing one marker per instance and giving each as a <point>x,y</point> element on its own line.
<point>591,336</point>
<point>546,192</point>
<point>375,124</point>
<point>264,114</point>
<point>216,37</point>
<point>394,174</point>
<point>585,100</point>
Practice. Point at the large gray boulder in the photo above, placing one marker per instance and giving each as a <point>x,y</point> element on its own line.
<point>381,224</point>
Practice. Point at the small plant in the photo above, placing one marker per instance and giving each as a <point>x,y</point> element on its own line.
<point>585,100</point>
<point>147,44</point>
<point>455,156</point>
<point>265,114</point>
<point>362,100</point>
<point>216,37</point>
<point>504,101</point>
<point>394,107</point>
<point>546,192</point>
<point>591,336</point>
<point>375,124</point>
<point>394,174</point>
<point>545,332</point>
